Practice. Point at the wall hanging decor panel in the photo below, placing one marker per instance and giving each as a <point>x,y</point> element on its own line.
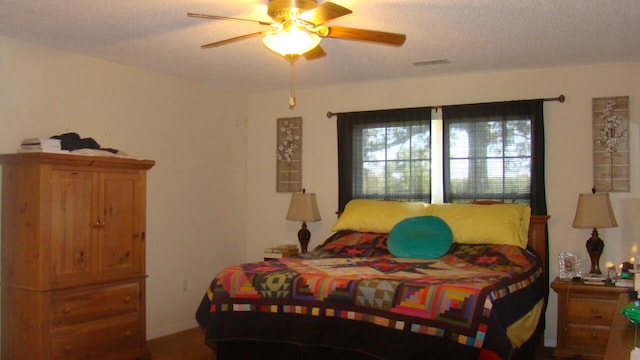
<point>611,144</point>
<point>289,155</point>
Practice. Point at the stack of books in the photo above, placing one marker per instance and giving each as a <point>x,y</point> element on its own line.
<point>624,283</point>
<point>40,145</point>
<point>280,252</point>
<point>592,279</point>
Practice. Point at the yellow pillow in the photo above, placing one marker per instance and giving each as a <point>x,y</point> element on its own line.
<point>498,224</point>
<point>378,216</point>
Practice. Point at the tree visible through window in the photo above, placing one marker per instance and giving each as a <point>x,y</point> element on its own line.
<point>395,161</point>
<point>385,155</point>
<point>489,160</point>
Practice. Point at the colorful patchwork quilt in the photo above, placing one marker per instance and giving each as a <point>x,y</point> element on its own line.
<point>462,298</point>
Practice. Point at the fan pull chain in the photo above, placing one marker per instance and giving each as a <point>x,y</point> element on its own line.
<point>292,95</point>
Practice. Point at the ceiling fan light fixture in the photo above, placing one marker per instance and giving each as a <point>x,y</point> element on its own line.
<point>291,39</point>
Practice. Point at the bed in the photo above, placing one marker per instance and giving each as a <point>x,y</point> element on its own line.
<point>391,282</point>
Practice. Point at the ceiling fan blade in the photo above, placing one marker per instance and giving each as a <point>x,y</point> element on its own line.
<point>315,53</point>
<point>366,35</point>
<point>228,41</point>
<point>215,17</point>
<point>323,13</point>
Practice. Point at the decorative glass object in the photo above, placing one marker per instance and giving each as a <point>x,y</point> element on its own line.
<point>569,266</point>
<point>632,312</point>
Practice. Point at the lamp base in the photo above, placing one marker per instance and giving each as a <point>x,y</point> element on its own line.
<point>595,245</point>
<point>304,235</point>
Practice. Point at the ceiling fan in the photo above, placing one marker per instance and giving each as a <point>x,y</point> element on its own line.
<point>297,29</point>
<point>306,20</point>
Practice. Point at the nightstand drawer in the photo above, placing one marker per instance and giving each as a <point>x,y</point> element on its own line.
<point>590,311</point>
<point>79,306</point>
<point>588,339</point>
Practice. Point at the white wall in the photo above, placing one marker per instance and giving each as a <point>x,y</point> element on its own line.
<point>568,149</point>
<point>196,198</point>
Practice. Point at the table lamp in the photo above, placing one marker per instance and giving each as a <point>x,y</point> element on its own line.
<point>303,207</point>
<point>594,211</point>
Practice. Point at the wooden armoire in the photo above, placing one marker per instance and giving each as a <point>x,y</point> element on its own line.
<point>73,257</point>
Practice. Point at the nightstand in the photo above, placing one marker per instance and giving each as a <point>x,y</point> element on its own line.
<point>585,317</point>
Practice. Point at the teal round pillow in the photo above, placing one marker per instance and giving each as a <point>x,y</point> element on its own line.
<point>425,237</point>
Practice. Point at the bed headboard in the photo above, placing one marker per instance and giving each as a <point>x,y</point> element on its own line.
<point>538,237</point>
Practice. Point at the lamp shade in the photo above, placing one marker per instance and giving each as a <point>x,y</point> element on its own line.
<point>594,211</point>
<point>303,207</point>
<point>291,39</point>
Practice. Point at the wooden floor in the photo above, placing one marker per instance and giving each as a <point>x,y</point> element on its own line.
<point>544,354</point>
<point>185,345</point>
<point>189,345</point>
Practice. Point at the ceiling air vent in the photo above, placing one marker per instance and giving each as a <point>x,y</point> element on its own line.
<point>431,62</point>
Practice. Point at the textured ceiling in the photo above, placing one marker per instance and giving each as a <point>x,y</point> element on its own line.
<point>473,35</point>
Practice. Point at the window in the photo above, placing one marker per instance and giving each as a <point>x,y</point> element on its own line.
<point>385,154</point>
<point>488,159</point>
<point>479,151</point>
<point>394,161</point>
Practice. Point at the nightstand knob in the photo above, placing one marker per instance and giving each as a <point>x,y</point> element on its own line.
<point>594,336</point>
<point>594,310</point>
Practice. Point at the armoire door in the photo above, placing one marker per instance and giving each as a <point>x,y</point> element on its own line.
<point>120,237</point>
<point>74,248</point>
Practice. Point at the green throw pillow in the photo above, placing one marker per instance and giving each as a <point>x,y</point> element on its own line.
<point>425,237</point>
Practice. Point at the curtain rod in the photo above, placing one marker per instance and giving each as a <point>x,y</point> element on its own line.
<point>559,99</point>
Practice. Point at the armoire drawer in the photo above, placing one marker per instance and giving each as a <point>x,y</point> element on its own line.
<point>108,340</point>
<point>78,306</point>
